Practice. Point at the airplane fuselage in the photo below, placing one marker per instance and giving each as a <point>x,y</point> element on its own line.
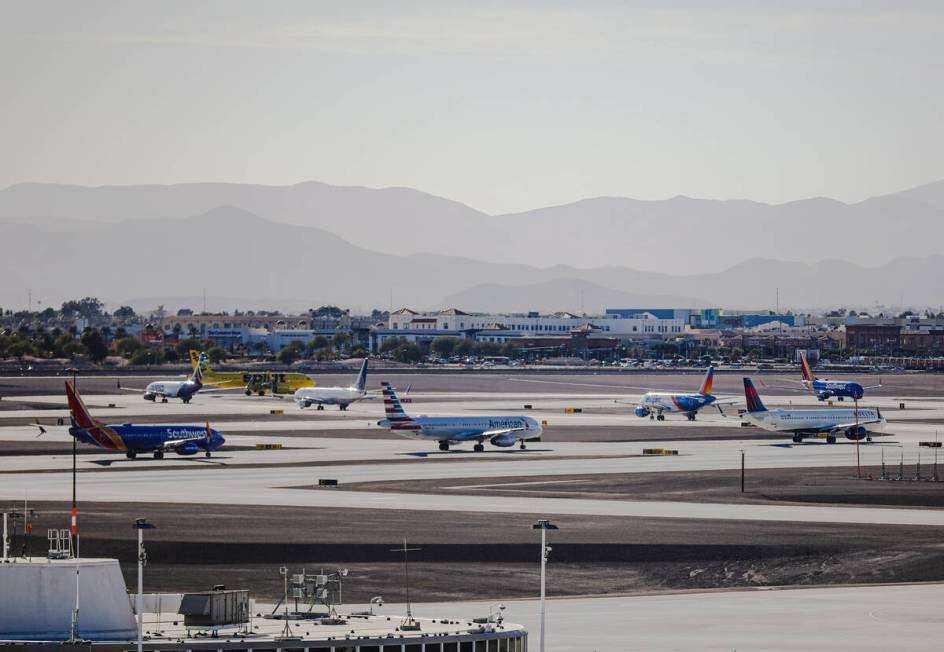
<point>814,421</point>
<point>825,389</point>
<point>131,438</point>
<point>308,396</point>
<point>457,429</point>
<point>182,389</point>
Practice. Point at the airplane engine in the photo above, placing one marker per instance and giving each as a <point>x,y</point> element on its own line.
<point>506,440</point>
<point>641,411</point>
<point>823,396</point>
<point>190,448</point>
<point>856,433</point>
<point>148,396</point>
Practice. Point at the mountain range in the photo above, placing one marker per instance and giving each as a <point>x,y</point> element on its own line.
<point>78,250</point>
<point>680,236</point>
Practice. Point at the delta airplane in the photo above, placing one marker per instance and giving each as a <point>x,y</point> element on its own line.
<point>855,424</point>
<point>499,431</point>
<point>133,439</point>
<point>182,389</point>
<point>340,396</point>
<point>825,389</point>
<point>653,404</point>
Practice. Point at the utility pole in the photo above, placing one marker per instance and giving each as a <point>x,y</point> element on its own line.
<point>858,439</point>
<point>410,623</point>
<point>75,512</point>
<point>742,470</point>
<point>544,525</point>
<point>141,525</point>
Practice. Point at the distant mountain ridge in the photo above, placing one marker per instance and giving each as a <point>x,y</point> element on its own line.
<point>234,253</point>
<point>680,235</point>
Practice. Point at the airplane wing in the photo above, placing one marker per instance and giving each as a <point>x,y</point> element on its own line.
<point>853,424</point>
<point>477,434</point>
<point>129,389</point>
<point>171,444</point>
<point>502,431</point>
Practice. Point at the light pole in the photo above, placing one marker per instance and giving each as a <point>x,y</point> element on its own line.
<point>75,512</point>
<point>141,525</point>
<point>544,525</point>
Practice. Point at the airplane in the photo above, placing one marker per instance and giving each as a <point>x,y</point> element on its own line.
<point>340,396</point>
<point>133,439</point>
<point>653,404</point>
<point>825,389</point>
<point>501,431</point>
<point>182,389</point>
<point>853,423</point>
<point>258,382</point>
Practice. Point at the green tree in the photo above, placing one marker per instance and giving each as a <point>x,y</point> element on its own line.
<point>148,355</point>
<point>291,352</point>
<point>464,347</point>
<point>444,346</point>
<point>124,312</point>
<point>19,348</point>
<point>126,346</point>
<point>391,343</point>
<point>216,354</point>
<point>94,344</point>
<point>408,352</point>
<point>88,307</point>
<point>340,340</point>
<point>358,352</point>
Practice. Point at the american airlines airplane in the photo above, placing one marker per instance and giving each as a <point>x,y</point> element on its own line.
<point>340,396</point>
<point>653,404</point>
<point>499,431</point>
<point>854,423</point>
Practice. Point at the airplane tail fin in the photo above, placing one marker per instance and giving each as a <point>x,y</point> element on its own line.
<point>754,404</point>
<point>392,407</point>
<point>195,358</point>
<point>77,410</point>
<point>808,376</point>
<point>199,369</point>
<point>361,383</point>
<point>705,389</point>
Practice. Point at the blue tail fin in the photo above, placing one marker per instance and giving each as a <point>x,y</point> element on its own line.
<point>361,383</point>
<point>754,404</point>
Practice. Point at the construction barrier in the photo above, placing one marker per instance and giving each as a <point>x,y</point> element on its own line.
<point>543,422</point>
<point>276,411</point>
<point>659,451</point>
<point>268,447</point>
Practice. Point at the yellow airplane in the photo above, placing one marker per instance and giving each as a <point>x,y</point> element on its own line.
<point>258,382</point>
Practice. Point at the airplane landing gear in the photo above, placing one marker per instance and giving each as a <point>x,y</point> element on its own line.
<point>479,448</point>
<point>343,407</point>
<point>660,417</point>
<point>163,399</point>
<point>320,407</point>
<point>248,392</point>
<point>186,400</point>
<point>208,453</point>
<point>691,416</point>
<point>797,439</point>
<point>522,446</point>
<point>444,445</point>
<point>830,439</point>
<point>158,455</point>
<point>131,455</point>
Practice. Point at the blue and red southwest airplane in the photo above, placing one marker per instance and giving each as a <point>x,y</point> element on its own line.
<point>132,439</point>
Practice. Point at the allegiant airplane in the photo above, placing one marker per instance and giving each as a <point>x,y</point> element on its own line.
<point>653,404</point>
<point>132,439</point>
<point>825,389</point>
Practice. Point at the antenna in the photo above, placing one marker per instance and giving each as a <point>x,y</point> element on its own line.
<point>410,623</point>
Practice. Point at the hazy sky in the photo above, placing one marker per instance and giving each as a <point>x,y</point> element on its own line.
<point>504,106</point>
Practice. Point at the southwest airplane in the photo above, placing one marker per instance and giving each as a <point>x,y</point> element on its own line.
<point>133,439</point>
<point>825,389</point>
<point>258,382</point>
<point>500,431</point>
<point>653,404</point>
<point>801,423</point>
<point>340,396</point>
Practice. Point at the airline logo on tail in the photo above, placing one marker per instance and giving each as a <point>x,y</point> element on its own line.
<point>706,383</point>
<point>754,404</point>
<point>808,376</point>
<point>361,383</point>
<point>199,369</point>
<point>397,419</point>
<point>82,420</point>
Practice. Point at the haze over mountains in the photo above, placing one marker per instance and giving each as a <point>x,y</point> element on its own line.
<point>313,243</point>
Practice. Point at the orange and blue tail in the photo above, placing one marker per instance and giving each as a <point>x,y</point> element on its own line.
<point>754,404</point>
<point>705,389</point>
<point>808,376</point>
